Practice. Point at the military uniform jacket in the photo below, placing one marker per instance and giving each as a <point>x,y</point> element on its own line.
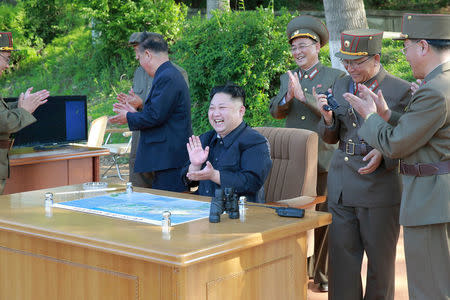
<point>421,135</point>
<point>12,119</point>
<point>381,188</point>
<point>243,159</point>
<point>306,115</point>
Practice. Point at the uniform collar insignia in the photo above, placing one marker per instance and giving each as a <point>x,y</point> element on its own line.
<point>373,86</point>
<point>313,73</point>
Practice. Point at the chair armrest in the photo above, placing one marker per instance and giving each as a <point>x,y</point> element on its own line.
<point>300,202</point>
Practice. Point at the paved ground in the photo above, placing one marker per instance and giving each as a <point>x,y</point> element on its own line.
<point>105,162</point>
<point>401,286</point>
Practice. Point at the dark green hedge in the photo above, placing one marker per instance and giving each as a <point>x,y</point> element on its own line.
<point>248,48</point>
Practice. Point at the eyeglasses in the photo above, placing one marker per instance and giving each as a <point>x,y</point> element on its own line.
<point>7,59</point>
<point>354,64</point>
<point>405,48</point>
<point>300,47</point>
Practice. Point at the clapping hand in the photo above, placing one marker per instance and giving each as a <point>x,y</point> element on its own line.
<point>30,101</point>
<point>369,102</point>
<point>295,88</point>
<point>130,98</point>
<point>121,110</point>
<point>197,155</point>
<point>207,173</point>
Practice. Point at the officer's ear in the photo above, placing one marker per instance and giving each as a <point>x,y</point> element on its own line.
<point>242,111</point>
<point>317,45</point>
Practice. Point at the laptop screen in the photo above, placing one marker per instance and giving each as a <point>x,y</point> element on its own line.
<point>63,119</point>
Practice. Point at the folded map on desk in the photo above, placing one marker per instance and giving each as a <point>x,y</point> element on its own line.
<point>141,207</point>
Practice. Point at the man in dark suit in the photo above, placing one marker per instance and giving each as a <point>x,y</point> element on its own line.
<point>232,155</point>
<point>165,120</point>
<point>421,139</point>
<point>142,83</point>
<point>363,186</point>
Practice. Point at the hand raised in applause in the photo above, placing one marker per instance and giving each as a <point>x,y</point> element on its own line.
<point>294,88</point>
<point>121,110</point>
<point>130,98</point>
<point>207,173</point>
<point>197,155</point>
<point>30,101</point>
<point>368,102</point>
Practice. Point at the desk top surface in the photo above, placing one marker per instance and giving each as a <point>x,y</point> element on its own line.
<point>186,244</point>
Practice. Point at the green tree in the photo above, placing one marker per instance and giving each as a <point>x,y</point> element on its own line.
<point>246,47</point>
<point>46,19</point>
<point>113,21</point>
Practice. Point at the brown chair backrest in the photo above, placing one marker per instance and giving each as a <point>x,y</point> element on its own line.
<point>294,170</point>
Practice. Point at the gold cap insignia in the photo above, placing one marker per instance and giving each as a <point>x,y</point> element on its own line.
<point>347,44</point>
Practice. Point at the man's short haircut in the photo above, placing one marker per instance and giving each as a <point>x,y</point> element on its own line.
<point>153,41</point>
<point>439,45</point>
<point>235,91</point>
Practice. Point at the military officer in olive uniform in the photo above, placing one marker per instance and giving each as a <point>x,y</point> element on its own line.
<point>142,83</point>
<point>16,115</point>
<point>296,104</point>
<point>421,139</point>
<point>363,186</point>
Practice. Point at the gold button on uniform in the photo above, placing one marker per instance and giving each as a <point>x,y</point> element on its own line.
<point>346,158</point>
<point>303,117</point>
<point>306,76</point>
<point>354,124</point>
<point>350,140</point>
<point>305,89</point>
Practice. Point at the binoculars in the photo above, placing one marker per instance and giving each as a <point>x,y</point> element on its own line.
<point>332,103</point>
<point>224,200</point>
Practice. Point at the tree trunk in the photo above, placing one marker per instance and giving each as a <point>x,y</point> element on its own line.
<point>216,4</point>
<point>342,15</point>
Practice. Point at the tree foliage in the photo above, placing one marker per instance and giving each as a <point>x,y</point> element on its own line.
<point>46,19</point>
<point>247,47</point>
<point>113,21</point>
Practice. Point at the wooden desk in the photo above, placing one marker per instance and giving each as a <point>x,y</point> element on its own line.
<point>33,170</point>
<point>73,255</point>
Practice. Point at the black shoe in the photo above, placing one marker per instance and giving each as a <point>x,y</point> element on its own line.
<point>323,287</point>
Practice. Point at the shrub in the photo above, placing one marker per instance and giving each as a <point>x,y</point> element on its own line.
<point>46,19</point>
<point>113,21</point>
<point>247,47</point>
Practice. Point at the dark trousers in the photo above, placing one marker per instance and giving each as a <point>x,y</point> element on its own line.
<point>143,180</point>
<point>356,230</point>
<point>318,263</point>
<point>169,180</point>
